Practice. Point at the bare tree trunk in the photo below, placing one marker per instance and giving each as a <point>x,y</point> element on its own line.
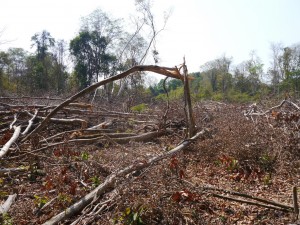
<point>188,104</point>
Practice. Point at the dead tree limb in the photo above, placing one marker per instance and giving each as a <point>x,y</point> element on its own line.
<point>5,207</point>
<point>249,202</point>
<point>171,72</point>
<point>110,180</point>
<point>30,122</point>
<point>275,205</point>
<point>11,170</point>
<point>13,122</point>
<point>14,137</point>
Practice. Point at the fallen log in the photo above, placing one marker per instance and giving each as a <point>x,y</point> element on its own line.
<point>110,180</point>
<point>138,138</point>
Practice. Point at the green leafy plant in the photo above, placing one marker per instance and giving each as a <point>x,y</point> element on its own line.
<point>40,201</point>
<point>130,217</point>
<point>266,162</point>
<point>85,156</point>
<point>230,163</point>
<point>96,181</point>
<point>64,198</point>
<point>6,219</point>
<point>267,179</point>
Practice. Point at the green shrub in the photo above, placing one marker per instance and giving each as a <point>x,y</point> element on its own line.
<point>139,108</point>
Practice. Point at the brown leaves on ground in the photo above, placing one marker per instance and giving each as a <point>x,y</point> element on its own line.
<point>257,157</point>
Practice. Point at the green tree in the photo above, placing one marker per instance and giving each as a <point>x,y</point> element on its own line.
<point>42,60</point>
<point>17,66</point>
<point>4,65</point>
<point>217,72</point>
<point>42,41</point>
<point>59,69</point>
<point>92,48</point>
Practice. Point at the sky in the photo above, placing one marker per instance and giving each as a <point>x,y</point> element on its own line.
<point>199,30</point>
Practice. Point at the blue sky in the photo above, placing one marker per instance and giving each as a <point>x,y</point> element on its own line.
<point>200,30</point>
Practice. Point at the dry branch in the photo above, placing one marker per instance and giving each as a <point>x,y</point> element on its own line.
<point>5,207</point>
<point>30,122</point>
<point>11,170</point>
<point>110,181</point>
<point>14,137</point>
<point>275,205</point>
<point>253,108</point>
<point>249,202</point>
<point>13,122</point>
<point>138,138</point>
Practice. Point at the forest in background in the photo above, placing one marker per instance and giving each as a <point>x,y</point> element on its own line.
<point>103,48</point>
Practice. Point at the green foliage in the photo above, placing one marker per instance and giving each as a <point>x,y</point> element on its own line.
<point>96,181</point>
<point>40,201</point>
<point>238,97</point>
<point>64,198</point>
<point>130,217</point>
<point>217,97</point>
<point>139,108</point>
<point>267,179</point>
<point>231,164</point>
<point>6,219</point>
<point>84,155</point>
<point>267,162</point>
<point>90,48</point>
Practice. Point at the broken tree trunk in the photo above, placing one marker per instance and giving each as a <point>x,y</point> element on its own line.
<point>110,180</point>
<point>188,104</point>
